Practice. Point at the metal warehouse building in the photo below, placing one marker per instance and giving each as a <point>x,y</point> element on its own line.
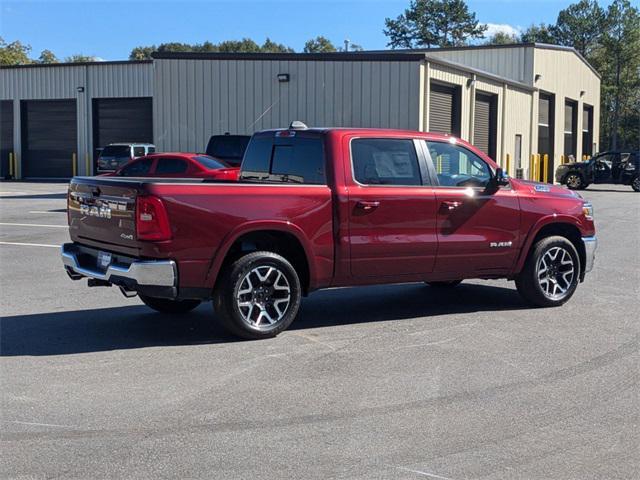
<point>512,101</point>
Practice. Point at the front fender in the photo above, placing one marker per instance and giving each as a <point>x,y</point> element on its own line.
<point>539,225</point>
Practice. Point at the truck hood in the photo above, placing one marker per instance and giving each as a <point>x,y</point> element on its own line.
<point>543,189</point>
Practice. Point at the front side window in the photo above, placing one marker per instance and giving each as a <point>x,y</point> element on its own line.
<point>458,167</point>
<point>385,161</point>
<point>168,166</point>
<point>138,168</point>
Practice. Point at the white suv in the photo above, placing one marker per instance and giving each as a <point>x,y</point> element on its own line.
<point>114,155</point>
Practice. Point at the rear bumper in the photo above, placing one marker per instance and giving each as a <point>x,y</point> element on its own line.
<point>151,277</point>
<point>590,246</point>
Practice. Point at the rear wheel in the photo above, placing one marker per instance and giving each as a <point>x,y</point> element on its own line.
<point>551,272</point>
<point>258,295</point>
<point>164,305</point>
<point>575,181</point>
<point>450,284</point>
<point>635,183</point>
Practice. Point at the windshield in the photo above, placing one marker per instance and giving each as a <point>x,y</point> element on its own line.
<point>210,162</point>
<point>116,151</point>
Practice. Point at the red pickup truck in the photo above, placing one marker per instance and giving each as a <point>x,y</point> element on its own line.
<point>318,208</point>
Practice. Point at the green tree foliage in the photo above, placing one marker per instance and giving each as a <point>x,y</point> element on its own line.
<point>580,26</point>
<point>618,61</point>
<point>272,47</point>
<point>47,56</point>
<point>431,23</point>
<point>80,58</point>
<point>501,38</point>
<point>538,34</point>
<point>319,44</point>
<point>246,45</point>
<point>14,53</point>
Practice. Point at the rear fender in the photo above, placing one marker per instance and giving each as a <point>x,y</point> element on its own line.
<point>260,226</point>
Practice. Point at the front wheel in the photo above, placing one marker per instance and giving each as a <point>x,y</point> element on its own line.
<point>258,296</point>
<point>575,181</point>
<point>635,183</point>
<point>551,273</point>
<point>164,305</point>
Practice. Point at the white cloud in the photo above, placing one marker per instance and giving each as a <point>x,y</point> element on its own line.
<point>493,28</point>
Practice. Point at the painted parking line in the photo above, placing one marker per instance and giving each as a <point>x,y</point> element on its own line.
<point>30,244</point>
<point>33,225</point>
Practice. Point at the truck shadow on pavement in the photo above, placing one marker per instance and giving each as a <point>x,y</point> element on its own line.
<point>136,326</point>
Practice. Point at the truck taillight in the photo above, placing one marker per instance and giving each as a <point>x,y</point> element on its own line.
<point>152,222</point>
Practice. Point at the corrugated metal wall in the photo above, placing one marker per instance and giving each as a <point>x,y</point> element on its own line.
<point>568,78</point>
<point>50,82</point>
<point>514,63</point>
<point>197,98</point>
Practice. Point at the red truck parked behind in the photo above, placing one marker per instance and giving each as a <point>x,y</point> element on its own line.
<point>318,208</point>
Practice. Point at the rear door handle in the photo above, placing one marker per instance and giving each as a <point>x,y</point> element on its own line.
<point>451,205</point>
<point>367,206</point>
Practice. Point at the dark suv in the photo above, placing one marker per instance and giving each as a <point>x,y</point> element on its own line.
<point>606,167</point>
<point>229,148</point>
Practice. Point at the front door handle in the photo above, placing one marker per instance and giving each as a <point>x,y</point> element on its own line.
<point>367,206</point>
<point>451,205</point>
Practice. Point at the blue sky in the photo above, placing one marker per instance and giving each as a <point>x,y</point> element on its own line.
<point>110,29</point>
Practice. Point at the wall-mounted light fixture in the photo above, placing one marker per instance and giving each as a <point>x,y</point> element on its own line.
<point>537,77</point>
<point>283,77</point>
<point>80,89</point>
<point>582,92</point>
<point>471,82</point>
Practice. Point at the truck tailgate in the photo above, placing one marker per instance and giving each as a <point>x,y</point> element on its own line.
<point>103,211</point>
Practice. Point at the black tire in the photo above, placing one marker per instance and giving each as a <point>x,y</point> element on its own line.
<point>575,181</point>
<point>164,305</point>
<point>444,285</point>
<point>635,183</point>
<point>266,295</point>
<point>530,281</point>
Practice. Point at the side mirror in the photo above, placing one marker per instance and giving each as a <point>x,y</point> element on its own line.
<point>501,179</point>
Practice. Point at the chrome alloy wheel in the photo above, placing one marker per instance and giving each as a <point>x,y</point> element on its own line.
<point>263,297</point>
<point>555,272</point>
<point>636,184</point>
<point>574,181</point>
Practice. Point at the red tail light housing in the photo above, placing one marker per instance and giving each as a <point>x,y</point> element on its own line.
<point>152,222</point>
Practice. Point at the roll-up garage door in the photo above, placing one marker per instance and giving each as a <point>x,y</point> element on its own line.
<point>484,124</point>
<point>49,137</point>
<point>444,116</point>
<point>6,135</point>
<point>118,120</point>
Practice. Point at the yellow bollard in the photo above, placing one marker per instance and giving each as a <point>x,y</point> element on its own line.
<point>508,162</point>
<point>536,168</point>
<point>546,168</point>
<point>74,166</point>
<point>11,170</point>
<point>439,163</point>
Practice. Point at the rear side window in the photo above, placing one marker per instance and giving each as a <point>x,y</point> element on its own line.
<point>119,152</point>
<point>296,159</point>
<point>385,161</point>
<point>138,168</point>
<point>167,166</point>
<point>138,152</point>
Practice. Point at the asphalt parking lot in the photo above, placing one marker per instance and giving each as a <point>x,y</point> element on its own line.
<point>380,382</point>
